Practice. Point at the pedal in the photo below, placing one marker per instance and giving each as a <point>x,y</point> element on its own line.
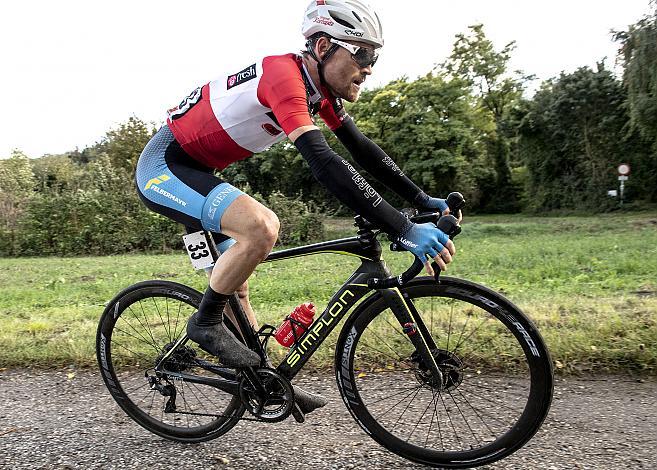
<point>298,414</point>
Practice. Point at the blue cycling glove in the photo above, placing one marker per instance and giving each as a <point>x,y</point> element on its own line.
<point>425,201</point>
<point>424,240</point>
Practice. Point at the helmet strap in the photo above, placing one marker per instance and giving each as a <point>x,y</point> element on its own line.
<point>320,62</point>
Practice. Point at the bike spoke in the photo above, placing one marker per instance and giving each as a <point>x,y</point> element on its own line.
<point>419,420</point>
<point>139,335</point>
<point>407,405</point>
<point>140,386</point>
<point>386,412</point>
<point>470,335</point>
<point>388,397</point>
<point>136,355</point>
<point>491,399</point>
<point>517,394</point>
<point>449,329</point>
<point>449,418</point>
<point>148,326</point>
<point>433,414</point>
<point>476,412</point>
<point>167,325</point>
<point>465,420</point>
<point>197,400</point>
<point>399,357</point>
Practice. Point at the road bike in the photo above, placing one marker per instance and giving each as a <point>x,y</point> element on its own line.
<point>439,370</point>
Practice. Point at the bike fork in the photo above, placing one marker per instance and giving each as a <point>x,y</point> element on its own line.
<point>413,326</point>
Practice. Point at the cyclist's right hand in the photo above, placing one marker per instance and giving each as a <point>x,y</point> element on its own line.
<point>428,240</point>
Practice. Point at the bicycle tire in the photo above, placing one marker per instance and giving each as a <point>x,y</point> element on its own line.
<point>364,356</point>
<point>125,357</point>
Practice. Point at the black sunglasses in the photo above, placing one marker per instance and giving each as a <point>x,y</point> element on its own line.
<point>363,56</point>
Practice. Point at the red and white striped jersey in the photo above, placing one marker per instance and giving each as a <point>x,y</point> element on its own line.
<point>247,111</point>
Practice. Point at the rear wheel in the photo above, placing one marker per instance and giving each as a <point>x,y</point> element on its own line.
<point>136,330</point>
<point>496,384</point>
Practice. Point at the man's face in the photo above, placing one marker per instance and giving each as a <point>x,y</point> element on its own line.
<point>342,74</point>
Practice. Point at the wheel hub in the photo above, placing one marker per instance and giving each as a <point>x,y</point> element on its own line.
<point>449,364</point>
<point>181,359</point>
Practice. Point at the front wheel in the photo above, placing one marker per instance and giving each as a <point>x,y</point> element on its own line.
<point>496,384</point>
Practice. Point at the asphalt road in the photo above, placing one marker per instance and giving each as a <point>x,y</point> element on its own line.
<point>67,420</point>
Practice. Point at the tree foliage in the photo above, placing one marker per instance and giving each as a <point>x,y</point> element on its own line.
<point>475,60</point>
<point>432,129</point>
<point>16,189</point>
<point>125,143</point>
<point>572,140</point>
<point>638,53</point>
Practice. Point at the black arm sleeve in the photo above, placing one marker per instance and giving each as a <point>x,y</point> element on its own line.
<point>370,156</point>
<point>342,179</point>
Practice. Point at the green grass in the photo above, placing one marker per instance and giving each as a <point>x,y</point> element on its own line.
<point>590,284</point>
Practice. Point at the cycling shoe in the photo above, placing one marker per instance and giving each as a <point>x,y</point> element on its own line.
<point>221,342</point>
<point>308,401</point>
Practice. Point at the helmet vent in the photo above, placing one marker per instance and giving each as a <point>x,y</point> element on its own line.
<point>342,22</point>
<point>357,17</point>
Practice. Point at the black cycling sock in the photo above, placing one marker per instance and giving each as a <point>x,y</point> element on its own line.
<point>211,310</point>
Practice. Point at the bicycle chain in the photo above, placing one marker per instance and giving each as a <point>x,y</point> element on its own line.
<point>210,415</point>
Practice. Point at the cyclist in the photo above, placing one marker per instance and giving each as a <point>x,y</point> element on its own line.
<point>245,111</point>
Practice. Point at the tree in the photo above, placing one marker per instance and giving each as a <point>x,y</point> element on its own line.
<point>475,60</point>
<point>16,188</point>
<point>638,54</point>
<point>432,130</point>
<point>571,140</point>
<point>55,172</point>
<point>125,143</point>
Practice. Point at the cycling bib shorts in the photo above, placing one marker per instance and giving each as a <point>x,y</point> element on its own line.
<point>171,183</point>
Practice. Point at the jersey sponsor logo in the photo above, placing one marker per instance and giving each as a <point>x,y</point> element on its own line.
<point>220,196</point>
<point>185,105</point>
<point>242,76</point>
<point>393,166</point>
<point>168,195</point>
<point>270,129</point>
<point>351,32</point>
<point>152,184</point>
<point>159,180</point>
<point>323,20</point>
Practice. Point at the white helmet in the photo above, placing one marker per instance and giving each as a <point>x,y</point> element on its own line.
<point>343,19</point>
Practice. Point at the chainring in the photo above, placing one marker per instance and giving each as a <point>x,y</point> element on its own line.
<point>278,403</point>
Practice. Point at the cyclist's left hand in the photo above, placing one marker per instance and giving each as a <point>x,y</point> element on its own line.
<point>441,205</point>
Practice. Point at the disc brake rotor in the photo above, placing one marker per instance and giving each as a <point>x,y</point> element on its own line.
<point>449,364</point>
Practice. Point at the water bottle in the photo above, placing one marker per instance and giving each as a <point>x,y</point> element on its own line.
<point>296,323</point>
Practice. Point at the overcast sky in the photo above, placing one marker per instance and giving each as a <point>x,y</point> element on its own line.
<point>71,70</point>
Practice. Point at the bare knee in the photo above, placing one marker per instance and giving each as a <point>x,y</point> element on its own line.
<point>264,232</point>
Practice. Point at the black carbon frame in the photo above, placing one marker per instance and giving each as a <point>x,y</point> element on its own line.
<point>368,250</point>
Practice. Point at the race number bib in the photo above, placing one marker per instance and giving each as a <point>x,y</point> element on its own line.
<point>198,250</point>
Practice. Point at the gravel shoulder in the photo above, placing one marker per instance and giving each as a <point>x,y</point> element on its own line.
<point>67,420</point>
